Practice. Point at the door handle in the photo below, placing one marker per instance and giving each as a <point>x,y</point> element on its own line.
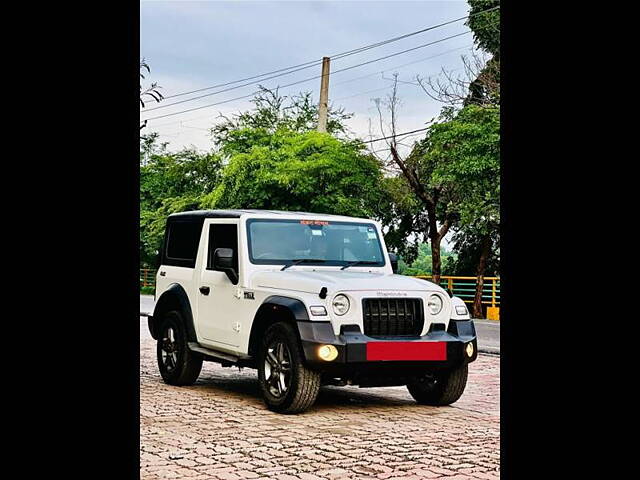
<point>205,290</point>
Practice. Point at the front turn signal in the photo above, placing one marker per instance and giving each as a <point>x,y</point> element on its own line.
<point>469,349</point>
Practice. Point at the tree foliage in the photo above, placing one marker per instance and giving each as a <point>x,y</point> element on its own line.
<point>404,219</point>
<point>457,166</point>
<point>485,88</point>
<point>470,145</point>
<point>422,206</point>
<point>485,26</point>
<point>170,182</point>
<point>309,171</point>
<point>421,265</point>
<point>465,152</point>
<point>273,112</point>
<point>152,91</point>
<point>466,252</point>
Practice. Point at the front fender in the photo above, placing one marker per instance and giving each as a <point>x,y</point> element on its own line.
<point>296,307</point>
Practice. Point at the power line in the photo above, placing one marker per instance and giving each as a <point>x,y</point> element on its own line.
<point>403,65</point>
<point>395,136</point>
<point>302,66</point>
<point>352,79</point>
<point>314,77</point>
<point>225,90</point>
<point>362,93</point>
<point>235,87</point>
<point>385,88</point>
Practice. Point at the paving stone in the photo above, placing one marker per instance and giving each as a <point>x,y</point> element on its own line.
<point>219,428</point>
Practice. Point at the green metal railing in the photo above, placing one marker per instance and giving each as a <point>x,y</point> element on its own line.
<point>465,288</point>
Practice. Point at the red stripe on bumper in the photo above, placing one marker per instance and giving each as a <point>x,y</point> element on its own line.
<point>407,351</point>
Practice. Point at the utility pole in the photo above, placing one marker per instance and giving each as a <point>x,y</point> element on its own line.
<point>324,96</point>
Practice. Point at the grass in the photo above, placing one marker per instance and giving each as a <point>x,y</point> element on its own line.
<point>147,290</point>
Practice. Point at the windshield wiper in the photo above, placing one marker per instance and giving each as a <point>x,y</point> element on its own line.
<point>358,262</point>
<point>298,261</point>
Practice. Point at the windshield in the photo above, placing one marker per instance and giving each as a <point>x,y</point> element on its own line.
<point>322,242</point>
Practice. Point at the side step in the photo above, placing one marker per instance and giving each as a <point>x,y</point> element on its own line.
<point>219,356</point>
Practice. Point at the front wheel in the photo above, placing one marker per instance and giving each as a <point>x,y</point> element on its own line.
<point>439,388</point>
<point>287,385</point>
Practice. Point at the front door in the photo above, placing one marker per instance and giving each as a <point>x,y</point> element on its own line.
<point>217,301</point>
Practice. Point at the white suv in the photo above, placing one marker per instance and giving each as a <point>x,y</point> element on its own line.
<point>306,299</point>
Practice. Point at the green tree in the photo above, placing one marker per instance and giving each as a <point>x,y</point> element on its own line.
<point>466,252</point>
<point>403,219</point>
<point>424,207</point>
<point>308,171</point>
<point>485,26</point>
<point>485,87</point>
<point>271,112</point>
<point>170,182</point>
<point>450,180</point>
<point>422,264</point>
<point>452,175</point>
<point>467,152</point>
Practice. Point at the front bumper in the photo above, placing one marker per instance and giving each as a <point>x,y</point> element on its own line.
<point>387,361</point>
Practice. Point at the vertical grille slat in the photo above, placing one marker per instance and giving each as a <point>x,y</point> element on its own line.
<point>392,317</point>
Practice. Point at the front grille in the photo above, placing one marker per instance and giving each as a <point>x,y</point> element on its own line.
<point>392,317</point>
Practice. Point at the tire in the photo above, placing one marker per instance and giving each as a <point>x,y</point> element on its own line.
<point>441,388</point>
<point>287,385</point>
<point>178,365</point>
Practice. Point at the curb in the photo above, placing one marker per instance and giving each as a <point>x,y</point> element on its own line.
<point>489,351</point>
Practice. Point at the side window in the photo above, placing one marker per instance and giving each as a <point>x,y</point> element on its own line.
<point>223,236</point>
<point>181,245</point>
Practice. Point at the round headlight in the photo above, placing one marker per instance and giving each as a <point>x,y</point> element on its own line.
<point>434,304</point>
<point>340,305</point>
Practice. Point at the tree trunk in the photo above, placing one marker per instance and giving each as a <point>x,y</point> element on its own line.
<point>434,238</point>
<point>436,264</point>
<point>485,247</point>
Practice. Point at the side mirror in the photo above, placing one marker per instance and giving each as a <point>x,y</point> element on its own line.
<point>393,258</point>
<point>223,261</point>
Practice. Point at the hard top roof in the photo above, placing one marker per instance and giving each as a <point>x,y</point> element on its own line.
<point>202,214</point>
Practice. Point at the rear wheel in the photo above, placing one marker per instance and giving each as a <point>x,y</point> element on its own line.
<point>439,388</point>
<point>177,364</point>
<point>287,385</point>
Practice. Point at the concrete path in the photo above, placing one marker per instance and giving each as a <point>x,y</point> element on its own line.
<point>220,429</point>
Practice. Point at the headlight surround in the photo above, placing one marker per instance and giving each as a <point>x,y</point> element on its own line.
<point>340,304</point>
<point>434,304</point>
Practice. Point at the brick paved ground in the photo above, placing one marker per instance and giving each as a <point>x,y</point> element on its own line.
<point>220,429</point>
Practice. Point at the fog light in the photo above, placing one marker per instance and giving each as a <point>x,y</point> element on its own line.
<point>469,350</point>
<point>328,353</point>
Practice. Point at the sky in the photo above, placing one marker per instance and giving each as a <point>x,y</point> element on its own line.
<point>192,45</point>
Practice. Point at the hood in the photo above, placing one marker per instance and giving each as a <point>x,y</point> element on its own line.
<point>312,281</point>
